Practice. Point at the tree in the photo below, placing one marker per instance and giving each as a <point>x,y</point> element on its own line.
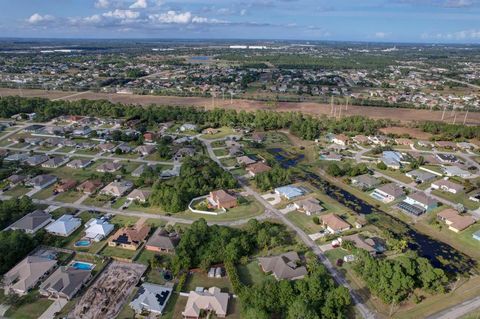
<point>299,309</point>
<point>382,166</point>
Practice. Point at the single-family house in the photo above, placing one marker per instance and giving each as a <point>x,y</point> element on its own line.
<point>106,147</point>
<point>79,163</point>
<point>245,160</point>
<point>476,235</point>
<point>365,181</point>
<point>151,298</point>
<point>42,181</point>
<point>145,149</point>
<point>26,274</point>
<point>387,193</point>
<point>210,131</point>
<point>162,241</point>
<point>309,206</point>
<point>16,179</point>
<point>360,139</point>
<point>130,237</point>
<point>138,171</point>
<point>447,186</point>
<point>55,162</point>
<point>109,167</point>
<point>417,203</point>
<point>188,127</point>
<point>289,191</point>
<point>420,175</point>
<point>64,226</point>
<point>65,282</point>
<point>446,158</point>
<point>89,187</point>
<point>340,139</point>
<point>455,221</point>
<point>117,189</point>
<point>446,144</point>
<point>36,159</point>
<point>404,141</point>
<point>286,266</point>
<point>65,185</point>
<point>98,229</point>
<point>139,195</point>
<point>220,199</point>
<point>16,157</point>
<point>257,168</point>
<point>149,137</point>
<point>456,171</point>
<point>32,222</point>
<point>258,137</point>
<point>334,224</point>
<point>211,300</point>
<point>392,159</point>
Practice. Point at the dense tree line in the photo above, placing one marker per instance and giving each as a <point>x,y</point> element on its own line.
<point>394,280</point>
<point>202,245</point>
<point>336,170</point>
<point>444,131</point>
<point>275,177</point>
<point>14,246</point>
<point>314,297</point>
<point>198,176</point>
<point>12,210</point>
<point>302,125</point>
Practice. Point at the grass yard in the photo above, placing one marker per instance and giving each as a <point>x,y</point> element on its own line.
<point>18,191</point>
<point>200,279</point>
<point>29,310</point>
<point>129,166</point>
<point>127,312</point>
<point>222,132</point>
<point>398,175</point>
<point>460,198</point>
<point>44,193</point>
<point>146,209</point>
<point>304,222</point>
<point>238,171</point>
<point>94,248</point>
<point>122,221</point>
<point>251,273</point>
<point>98,201</point>
<point>178,304</point>
<point>220,152</point>
<point>69,197</point>
<point>119,203</point>
<point>229,162</point>
<point>118,252</point>
<point>218,143</point>
<point>65,172</point>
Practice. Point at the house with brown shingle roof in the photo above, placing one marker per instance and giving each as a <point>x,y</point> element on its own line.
<point>455,221</point>
<point>89,187</point>
<point>334,224</point>
<point>257,168</point>
<point>130,237</point>
<point>221,199</point>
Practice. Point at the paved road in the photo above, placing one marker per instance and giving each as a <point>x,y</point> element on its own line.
<point>458,310</point>
<point>338,277</point>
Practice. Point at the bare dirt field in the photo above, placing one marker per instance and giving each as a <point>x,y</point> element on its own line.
<point>413,132</point>
<point>105,298</point>
<point>400,114</point>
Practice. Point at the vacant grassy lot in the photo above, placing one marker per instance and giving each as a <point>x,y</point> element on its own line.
<point>223,132</point>
<point>18,191</point>
<point>200,279</point>
<point>69,197</point>
<point>304,222</point>
<point>251,273</point>
<point>220,152</point>
<point>29,310</point>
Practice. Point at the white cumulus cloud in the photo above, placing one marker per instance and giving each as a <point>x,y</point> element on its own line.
<point>122,14</point>
<point>103,4</point>
<point>172,17</point>
<point>37,18</point>
<point>139,4</point>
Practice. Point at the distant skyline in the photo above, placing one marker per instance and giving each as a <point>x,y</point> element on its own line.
<point>431,21</point>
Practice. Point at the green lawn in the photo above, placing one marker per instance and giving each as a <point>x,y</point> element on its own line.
<point>461,198</point>
<point>228,162</point>
<point>220,152</point>
<point>29,310</point>
<point>218,143</point>
<point>119,203</point>
<point>223,132</point>
<point>93,248</point>
<point>68,197</point>
<point>238,171</point>
<point>200,279</point>
<point>146,209</point>
<point>118,252</point>
<point>251,273</point>
<point>65,172</point>
<point>122,221</point>
<point>304,222</point>
<point>18,191</point>
<point>397,174</point>
<point>127,312</point>
<point>44,193</point>
<point>98,201</point>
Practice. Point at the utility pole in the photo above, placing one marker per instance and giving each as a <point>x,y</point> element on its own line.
<point>465,119</point>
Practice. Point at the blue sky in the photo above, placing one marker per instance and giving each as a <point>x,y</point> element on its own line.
<point>450,21</point>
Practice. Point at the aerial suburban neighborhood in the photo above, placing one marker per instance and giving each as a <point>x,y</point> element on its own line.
<point>244,179</point>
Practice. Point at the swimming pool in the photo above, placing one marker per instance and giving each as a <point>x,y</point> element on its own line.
<point>83,243</point>
<point>82,265</point>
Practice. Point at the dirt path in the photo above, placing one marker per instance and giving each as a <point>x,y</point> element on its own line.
<point>404,115</point>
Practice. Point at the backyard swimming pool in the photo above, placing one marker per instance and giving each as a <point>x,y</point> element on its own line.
<point>82,265</point>
<point>83,243</point>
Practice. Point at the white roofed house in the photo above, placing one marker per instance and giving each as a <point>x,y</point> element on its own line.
<point>447,186</point>
<point>151,298</point>
<point>417,203</point>
<point>64,226</point>
<point>98,229</point>
<point>340,139</point>
<point>79,163</point>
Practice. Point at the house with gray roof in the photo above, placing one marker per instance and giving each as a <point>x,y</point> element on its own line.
<point>42,181</point>
<point>284,266</point>
<point>36,159</point>
<point>26,274</point>
<point>162,241</point>
<point>64,226</point>
<point>32,222</point>
<point>151,298</point>
<point>65,282</point>
<point>420,175</point>
<point>365,181</point>
<point>55,162</point>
